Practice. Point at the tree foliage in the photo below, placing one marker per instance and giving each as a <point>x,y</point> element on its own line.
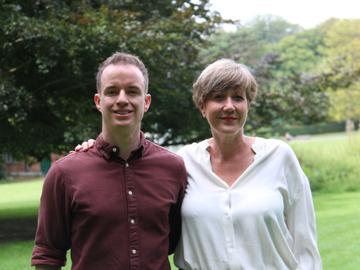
<point>250,42</point>
<point>343,51</point>
<point>342,68</point>
<point>281,56</point>
<point>50,51</point>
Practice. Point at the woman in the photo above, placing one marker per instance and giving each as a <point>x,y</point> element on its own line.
<point>248,204</point>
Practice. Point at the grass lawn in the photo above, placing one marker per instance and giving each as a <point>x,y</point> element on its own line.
<point>331,161</point>
<point>338,224</point>
<point>19,199</point>
<point>338,219</point>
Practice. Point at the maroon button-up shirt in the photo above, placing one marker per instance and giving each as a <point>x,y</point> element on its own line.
<point>113,214</point>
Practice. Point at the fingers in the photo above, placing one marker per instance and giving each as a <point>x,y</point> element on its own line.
<point>78,148</point>
<point>84,146</point>
<point>91,142</point>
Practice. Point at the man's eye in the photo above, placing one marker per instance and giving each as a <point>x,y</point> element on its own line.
<point>133,91</point>
<point>111,92</point>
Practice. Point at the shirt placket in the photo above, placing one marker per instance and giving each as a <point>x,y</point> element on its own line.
<point>228,225</point>
<point>134,244</point>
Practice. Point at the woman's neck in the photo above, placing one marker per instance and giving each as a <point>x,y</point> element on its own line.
<point>226,147</point>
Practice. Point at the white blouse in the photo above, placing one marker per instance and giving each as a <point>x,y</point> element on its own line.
<point>265,220</point>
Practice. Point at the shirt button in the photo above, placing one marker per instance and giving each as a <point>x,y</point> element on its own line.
<point>133,251</point>
<point>132,221</point>
<point>130,192</point>
<point>114,149</point>
<point>126,164</point>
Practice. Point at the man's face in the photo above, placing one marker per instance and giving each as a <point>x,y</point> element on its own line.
<point>122,100</point>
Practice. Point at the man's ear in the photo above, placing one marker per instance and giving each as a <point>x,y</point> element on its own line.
<point>97,101</point>
<point>147,102</point>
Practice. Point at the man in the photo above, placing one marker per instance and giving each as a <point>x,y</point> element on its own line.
<point>117,205</point>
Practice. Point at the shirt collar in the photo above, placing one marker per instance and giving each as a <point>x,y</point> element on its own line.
<point>256,146</point>
<point>110,151</point>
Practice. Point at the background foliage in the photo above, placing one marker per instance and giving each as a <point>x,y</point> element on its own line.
<point>50,50</point>
<point>301,73</point>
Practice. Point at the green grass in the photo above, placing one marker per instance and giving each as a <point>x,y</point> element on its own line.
<point>338,222</point>
<point>19,199</point>
<point>338,219</point>
<point>331,162</point>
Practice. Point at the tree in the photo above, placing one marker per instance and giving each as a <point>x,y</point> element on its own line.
<point>289,77</point>
<point>342,52</point>
<point>282,56</point>
<point>341,67</point>
<point>250,42</point>
<point>294,98</point>
<point>346,103</point>
<point>49,55</point>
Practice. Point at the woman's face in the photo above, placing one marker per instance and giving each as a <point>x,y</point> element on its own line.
<point>226,111</point>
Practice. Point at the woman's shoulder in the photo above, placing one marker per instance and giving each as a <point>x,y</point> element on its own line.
<point>193,148</point>
<point>266,145</point>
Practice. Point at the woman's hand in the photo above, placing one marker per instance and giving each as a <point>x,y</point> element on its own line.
<point>85,146</point>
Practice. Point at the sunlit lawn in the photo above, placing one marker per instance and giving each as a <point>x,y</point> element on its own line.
<point>338,219</point>
<point>20,199</point>
<point>331,161</point>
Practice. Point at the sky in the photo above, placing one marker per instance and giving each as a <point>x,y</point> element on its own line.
<point>307,13</point>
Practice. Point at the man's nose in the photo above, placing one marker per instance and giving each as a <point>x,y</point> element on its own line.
<point>122,97</point>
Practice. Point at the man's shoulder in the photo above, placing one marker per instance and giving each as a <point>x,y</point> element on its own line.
<point>166,161</point>
<point>75,160</point>
<point>162,152</point>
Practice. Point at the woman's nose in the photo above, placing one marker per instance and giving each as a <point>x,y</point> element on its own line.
<point>228,104</point>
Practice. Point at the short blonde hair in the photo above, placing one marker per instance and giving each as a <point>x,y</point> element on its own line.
<point>222,75</point>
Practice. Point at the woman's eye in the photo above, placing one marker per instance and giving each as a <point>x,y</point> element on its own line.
<point>218,97</point>
<point>238,98</point>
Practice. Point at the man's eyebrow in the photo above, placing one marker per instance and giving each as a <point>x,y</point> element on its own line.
<point>110,87</point>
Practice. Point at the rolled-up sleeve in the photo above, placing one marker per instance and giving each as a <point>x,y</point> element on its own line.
<point>52,238</point>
